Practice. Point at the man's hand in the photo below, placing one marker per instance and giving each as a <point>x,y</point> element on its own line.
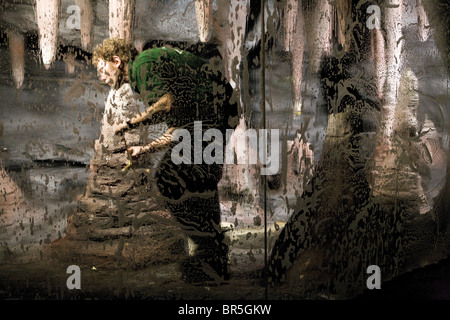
<point>138,150</point>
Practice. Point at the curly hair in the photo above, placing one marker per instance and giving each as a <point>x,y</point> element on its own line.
<point>114,47</point>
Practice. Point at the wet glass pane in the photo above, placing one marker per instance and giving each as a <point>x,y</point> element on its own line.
<point>221,149</point>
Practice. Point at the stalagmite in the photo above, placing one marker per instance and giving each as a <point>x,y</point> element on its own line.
<point>393,28</point>
<point>11,199</point>
<point>86,23</point>
<point>20,222</point>
<point>319,33</point>
<point>121,17</point>
<point>17,53</point>
<point>47,16</point>
<point>379,58</point>
<point>383,148</point>
<point>400,178</point>
<point>396,149</point>
<point>422,20</point>
<point>203,11</point>
<point>126,195</point>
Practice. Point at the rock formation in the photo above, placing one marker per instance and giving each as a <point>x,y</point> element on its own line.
<point>120,221</point>
<point>47,16</point>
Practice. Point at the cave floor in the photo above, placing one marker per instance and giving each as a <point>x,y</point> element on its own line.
<point>46,280</point>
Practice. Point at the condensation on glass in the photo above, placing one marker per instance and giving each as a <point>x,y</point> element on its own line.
<point>338,159</point>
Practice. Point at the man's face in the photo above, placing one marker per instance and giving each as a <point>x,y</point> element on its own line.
<point>108,72</point>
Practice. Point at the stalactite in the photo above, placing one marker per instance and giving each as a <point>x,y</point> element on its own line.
<point>290,22</point>
<point>393,27</point>
<point>422,21</point>
<point>139,44</point>
<point>379,58</point>
<point>121,17</point>
<point>86,23</point>
<point>297,47</point>
<point>203,11</point>
<point>343,18</point>
<point>17,54</point>
<point>319,33</point>
<point>47,16</point>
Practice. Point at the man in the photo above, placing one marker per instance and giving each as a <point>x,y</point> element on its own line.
<point>120,106</point>
<point>179,88</point>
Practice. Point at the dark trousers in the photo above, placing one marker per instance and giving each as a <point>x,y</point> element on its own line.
<point>191,194</point>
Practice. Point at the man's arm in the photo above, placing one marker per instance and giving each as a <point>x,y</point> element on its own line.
<point>164,104</point>
<point>154,146</point>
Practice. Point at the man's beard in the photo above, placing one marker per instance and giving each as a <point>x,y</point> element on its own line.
<point>110,82</point>
<point>115,80</point>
